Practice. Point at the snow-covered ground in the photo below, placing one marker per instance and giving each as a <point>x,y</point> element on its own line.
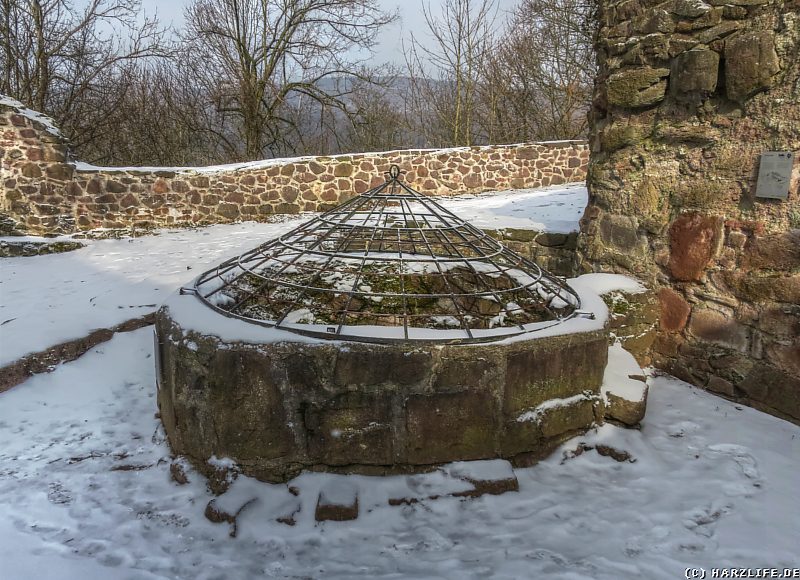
<point>47,300</point>
<point>550,209</point>
<point>85,490</point>
<point>85,493</point>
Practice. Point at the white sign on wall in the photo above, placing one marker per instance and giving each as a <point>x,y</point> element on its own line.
<point>774,174</point>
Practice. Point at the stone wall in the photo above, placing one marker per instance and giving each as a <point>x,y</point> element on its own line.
<point>45,194</point>
<point>689,94</point>
<point>553,251</point>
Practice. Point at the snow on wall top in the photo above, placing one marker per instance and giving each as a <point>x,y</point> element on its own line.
<point>262,163</point>
<point>35,116</point>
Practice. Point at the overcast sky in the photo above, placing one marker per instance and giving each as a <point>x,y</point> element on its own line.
<point>389,48</point>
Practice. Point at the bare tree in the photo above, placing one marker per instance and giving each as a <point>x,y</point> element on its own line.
<point>58,59</point>
<point>445,77</point>
<point>159,118</point>
<point>256,58</point>
<point>538,80</point>
<point>378,123</point>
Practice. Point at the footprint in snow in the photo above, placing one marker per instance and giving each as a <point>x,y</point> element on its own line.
<point>682,429</point>
<point>652,541</point>
<point>702,520</point>
<point>741,455</point>
<point>58,495</point>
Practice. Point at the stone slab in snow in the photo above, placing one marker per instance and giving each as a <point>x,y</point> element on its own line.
<point>338,500</point>
<point>494,476</point>
<point>624,387</point>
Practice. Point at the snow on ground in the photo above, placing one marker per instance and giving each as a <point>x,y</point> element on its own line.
<point>85,493</point>
<point>47,300</point>
<point>551,209</point>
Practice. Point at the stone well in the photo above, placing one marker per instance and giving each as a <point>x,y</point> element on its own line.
<point>387,335</point>
<point>277,403</point>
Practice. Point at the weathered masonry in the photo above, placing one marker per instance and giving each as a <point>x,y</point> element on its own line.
<point>43,192</point>
<point>690,94</point>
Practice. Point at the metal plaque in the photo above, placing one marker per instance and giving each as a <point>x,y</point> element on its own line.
<point>774,174</point>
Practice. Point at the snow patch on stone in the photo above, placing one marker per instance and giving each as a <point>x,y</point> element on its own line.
<point>47,122</point>
<point>485,470</point>
<point>616,379</point>
<point>535,413</point>
<point>605,283</point>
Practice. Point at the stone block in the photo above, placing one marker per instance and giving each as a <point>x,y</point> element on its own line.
<point>624,387</point>
<point>786,356</point>
<point>160,186</point>
<point>337,501</point>
<point>637,87</point>
<point>694,74</point>
<point>375,367</point>
<point>688,8</point>
<point>551,239</point>
<point>655,21</point>
<point>228,210</point>
<point>718,32</point>
<point>31,170</point>
<point>343,170</point>
<point>316,168</point>
<point>694,239</point>
<point>774,388</point>
<point>199,182</point>
<point>750,64</point>
<point>354,428</point>
<point>229,403</point>
<point>518,234</point>
<point>760,289</point>
<point>773,252</point>
<point>558,420</point>
<point>519,437</point>
<point>719,385</point>
<point>464,372</point>
<point>621,233</point>
<point>440,428</point>
<point>651,48</point>
<point>711,18</point>
<point>563,370</point>
<point>617,135</point>
<point>674,310</point>
<point>115,186</point>
<point>712,326</point>
<point>627,411</point>
<point>493,477</point>
<point>781,320</point>
<point>180,186</point>
<point>59,171</point>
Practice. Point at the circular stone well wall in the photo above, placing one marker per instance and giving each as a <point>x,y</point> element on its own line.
<point>276,402</point>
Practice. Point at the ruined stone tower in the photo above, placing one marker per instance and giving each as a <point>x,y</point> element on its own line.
<point>689,95</point>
